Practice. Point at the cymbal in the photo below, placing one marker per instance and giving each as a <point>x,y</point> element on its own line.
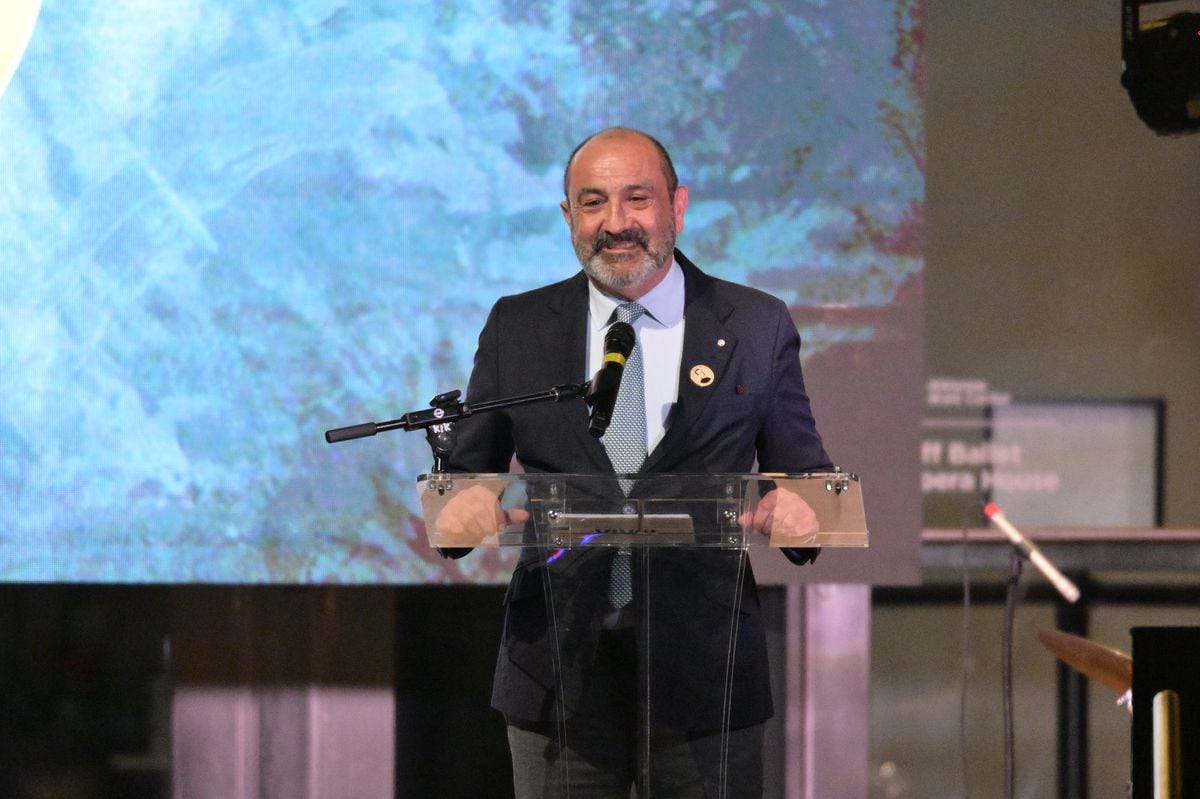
<point>1109,667</point>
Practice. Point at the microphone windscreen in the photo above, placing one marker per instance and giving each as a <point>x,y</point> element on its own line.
<point>620,339</point>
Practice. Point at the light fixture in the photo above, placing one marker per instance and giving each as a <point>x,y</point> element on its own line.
<point>1162,67</point>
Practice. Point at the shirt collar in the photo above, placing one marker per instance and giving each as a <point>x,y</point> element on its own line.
<point>663,303</point>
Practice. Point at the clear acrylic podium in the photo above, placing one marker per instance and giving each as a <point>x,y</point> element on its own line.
<point>688,653</point>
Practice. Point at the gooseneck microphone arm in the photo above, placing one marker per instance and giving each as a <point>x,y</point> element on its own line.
<point>445,408</point>
<point>600,393</point>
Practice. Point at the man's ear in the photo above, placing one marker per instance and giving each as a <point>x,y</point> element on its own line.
<point>679,205</point>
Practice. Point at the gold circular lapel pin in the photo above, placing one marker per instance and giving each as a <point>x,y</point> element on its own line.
<point>702,375</point>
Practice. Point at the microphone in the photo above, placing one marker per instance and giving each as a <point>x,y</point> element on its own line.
<point>1030,550</point>
<point>602,390</point>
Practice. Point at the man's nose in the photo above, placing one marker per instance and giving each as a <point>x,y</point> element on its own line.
<point>615,219</point>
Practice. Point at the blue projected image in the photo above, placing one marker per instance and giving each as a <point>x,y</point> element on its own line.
<point>226,229</point>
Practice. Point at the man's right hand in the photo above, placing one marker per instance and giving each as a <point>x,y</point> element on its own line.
<point>472,515</point>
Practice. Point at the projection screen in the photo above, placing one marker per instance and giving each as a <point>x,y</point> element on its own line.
<point>226,227</point>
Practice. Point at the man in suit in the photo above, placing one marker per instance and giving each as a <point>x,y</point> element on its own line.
<point>612,675</point>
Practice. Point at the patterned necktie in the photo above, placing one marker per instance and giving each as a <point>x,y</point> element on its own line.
<point>625,441</point>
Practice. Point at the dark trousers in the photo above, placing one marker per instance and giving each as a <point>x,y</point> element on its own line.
<point>612,749</point>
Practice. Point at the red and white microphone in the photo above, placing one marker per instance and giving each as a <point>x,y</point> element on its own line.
<point>1030,550</point>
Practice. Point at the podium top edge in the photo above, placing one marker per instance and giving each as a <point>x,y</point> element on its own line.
<point>823,475</point>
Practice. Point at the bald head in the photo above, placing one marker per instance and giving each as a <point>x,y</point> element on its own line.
<point>664,158</point>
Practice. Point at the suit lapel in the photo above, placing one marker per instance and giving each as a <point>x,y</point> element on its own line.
<point>564,339</point>
<point>707,342</point>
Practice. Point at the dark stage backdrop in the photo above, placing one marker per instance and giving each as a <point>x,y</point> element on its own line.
<point>226,227</point>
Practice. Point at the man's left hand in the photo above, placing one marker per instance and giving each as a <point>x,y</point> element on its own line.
<point>786,518</point>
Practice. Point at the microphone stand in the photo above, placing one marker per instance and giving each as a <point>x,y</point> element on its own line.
<point>446,409</point>
<point>1016,560</point>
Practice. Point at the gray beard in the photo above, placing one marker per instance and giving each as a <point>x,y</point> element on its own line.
<point>619,278</point>
<point>625,274</point>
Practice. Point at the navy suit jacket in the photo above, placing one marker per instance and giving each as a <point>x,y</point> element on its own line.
<point>756,409</point>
